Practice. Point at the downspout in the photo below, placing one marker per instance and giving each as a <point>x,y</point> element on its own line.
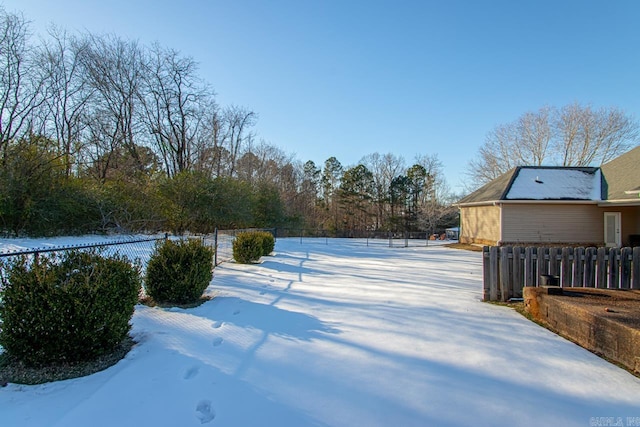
<point>499,242</point>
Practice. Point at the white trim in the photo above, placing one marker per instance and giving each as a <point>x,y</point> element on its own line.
<point>620,202</point>
<point>530,202</point>
<point>617,235</point>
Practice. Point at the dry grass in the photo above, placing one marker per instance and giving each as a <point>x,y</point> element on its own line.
<point>465,246</point>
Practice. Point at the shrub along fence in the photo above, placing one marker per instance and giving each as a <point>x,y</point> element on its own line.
<point>222,240</point>
<point>507,269</point>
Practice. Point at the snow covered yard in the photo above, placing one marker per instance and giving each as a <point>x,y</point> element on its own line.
<point>339,334</point>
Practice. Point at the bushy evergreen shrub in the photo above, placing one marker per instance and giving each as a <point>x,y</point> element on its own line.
<point>66,309</point>
<point>268,242</point>
<point>179,271</point>
<point>247,247</point>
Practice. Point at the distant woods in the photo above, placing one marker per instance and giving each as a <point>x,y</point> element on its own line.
<point>99,133</point>
<point>573,135</point>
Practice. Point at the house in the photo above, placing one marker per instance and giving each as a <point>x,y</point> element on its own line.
<point>555,205</point>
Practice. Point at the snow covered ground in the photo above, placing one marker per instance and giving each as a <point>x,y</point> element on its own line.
<point>339,334</point>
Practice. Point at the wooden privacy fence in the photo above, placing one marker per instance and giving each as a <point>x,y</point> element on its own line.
<point>507,269</point>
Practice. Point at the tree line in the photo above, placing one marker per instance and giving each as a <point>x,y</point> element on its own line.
<point>100,133</point>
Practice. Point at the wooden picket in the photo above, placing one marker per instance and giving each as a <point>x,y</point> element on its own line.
<point>507,269</point>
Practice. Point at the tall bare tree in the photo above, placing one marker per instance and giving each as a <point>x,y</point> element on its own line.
<point>21,81</point>
<point>574,135</point>
<point>589,136</point>
<point>113,67</point>
<point>174,100</point>
<point>69,92</point>
<point>237,124</point>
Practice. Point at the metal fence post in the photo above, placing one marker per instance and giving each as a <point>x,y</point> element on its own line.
<point>215,246</point>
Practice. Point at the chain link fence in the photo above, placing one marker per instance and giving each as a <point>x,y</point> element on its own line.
<point>392,239</point>
<point>135,248</point>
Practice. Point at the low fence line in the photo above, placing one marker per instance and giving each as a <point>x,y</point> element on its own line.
<point>507,269</point>
<point>61,248</point>
<point>402,238</point>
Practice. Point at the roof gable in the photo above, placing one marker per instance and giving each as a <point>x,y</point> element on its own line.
<point>493,190</point>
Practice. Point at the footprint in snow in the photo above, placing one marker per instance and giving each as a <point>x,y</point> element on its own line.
<point>217,342</point>
<point>216,324</point>
<point>191,372</point>
<point>204,412</point>
<point>263,292</point>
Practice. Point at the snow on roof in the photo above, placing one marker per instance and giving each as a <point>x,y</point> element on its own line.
<point>550,183</point>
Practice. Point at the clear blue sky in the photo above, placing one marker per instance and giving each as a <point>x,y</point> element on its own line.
<point>347,78</point>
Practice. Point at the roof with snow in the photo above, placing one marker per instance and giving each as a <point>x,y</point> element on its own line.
<point>541,183</point>
<point>555,183</point>
<point>616,181</point>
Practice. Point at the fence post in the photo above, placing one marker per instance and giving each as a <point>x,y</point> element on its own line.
<point>625,268</point>
<point>516,272</point>
<point>486,274</point>
<point>553,261</point>
<point>565,270</point>
<point>635,265</point>
<point>529,271</point>
<point>493,273</point>
<point>578,267</point>
<point>601,268</point>
<point>504,273</point>
<point>590,268</point>
<point>215,246</point>
<point>542,262</point>
<point>614,268</point>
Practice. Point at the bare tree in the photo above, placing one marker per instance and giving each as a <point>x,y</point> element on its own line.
<point>237,122</point>
<point>574,135</point>
<point>21,81</point>
<point>434,205</point>
<point>69,93</point>
<point>174,100</point>
<point>113,67</point>
<point>587,136</point>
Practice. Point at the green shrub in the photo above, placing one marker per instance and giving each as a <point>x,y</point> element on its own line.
<point>66,309</point>
<point>247,247</point>
<point>268,242</point>
<point>179,271</point>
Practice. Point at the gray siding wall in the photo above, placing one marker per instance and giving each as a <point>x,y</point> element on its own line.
<point>552,223</point>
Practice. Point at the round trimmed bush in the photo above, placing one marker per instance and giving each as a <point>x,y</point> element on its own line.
<point>179,271</point>
<point>268,242</point>
<point>247,247</point>
<point>66,309</point>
